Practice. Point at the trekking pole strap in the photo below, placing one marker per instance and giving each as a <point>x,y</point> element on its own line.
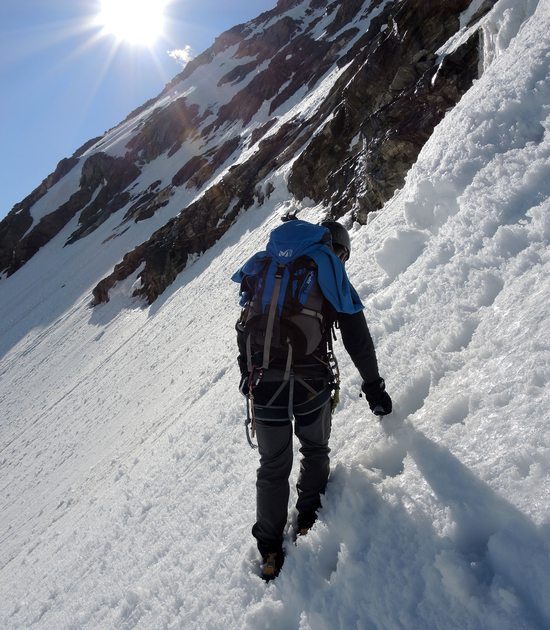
<point>335,370</point>
<point>250,422</point>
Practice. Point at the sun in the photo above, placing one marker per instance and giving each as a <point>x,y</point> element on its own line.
<point>139,22</point>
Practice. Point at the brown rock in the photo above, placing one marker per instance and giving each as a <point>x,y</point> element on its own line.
<point>387,111</point>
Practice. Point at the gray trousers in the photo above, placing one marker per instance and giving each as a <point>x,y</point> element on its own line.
<point>312,423</point>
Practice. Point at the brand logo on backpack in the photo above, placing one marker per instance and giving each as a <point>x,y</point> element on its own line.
<point>287,253</point>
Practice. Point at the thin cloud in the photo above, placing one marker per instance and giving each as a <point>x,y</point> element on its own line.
<point>182,55</point>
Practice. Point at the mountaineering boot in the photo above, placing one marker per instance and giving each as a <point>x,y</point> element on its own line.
<point>300,532</point>
<point>271,565</point>
<point>305,523</point>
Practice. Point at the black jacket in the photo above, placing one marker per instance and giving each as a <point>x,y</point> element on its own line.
<point>358,343</point>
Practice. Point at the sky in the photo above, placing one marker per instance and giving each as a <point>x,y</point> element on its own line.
<point>64,79</point>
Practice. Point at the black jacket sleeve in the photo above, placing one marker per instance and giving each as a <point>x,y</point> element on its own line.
<point>358,343</point>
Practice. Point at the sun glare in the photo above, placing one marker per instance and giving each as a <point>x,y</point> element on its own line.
<point>138,22</point>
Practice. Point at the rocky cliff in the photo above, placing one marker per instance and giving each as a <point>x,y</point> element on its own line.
<point>340,97</point>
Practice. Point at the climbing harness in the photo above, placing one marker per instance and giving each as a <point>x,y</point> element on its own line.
<point>287,377</point>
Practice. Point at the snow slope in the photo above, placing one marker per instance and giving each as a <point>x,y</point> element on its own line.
<point>127,485</point>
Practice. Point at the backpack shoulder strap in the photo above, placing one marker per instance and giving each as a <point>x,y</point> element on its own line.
<point>271,314</point>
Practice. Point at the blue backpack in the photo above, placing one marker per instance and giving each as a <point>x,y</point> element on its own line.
<point>284,293</point>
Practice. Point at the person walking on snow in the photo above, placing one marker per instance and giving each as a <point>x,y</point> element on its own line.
<point>299,383</point>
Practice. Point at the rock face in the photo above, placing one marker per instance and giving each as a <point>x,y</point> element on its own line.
<point>388,109</point>
<point>19,220</point>
<point>100,171</point>
<point>198,226</point>
<point>345,92</point>
<point>167,130</point>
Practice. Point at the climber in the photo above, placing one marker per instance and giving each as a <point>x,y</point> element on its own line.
<point>292,294</point>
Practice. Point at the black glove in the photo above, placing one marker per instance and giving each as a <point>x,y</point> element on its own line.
<point>244,387</point>
<point>377,397</point>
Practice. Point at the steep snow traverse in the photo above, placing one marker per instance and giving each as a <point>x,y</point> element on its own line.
<point>127,486</point>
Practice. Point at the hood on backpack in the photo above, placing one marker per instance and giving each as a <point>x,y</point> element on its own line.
<point>300,238</point>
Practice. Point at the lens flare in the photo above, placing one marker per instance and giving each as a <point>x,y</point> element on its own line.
<point>138,22</point>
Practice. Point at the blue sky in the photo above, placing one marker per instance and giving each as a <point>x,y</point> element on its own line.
<point>64,83</point>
